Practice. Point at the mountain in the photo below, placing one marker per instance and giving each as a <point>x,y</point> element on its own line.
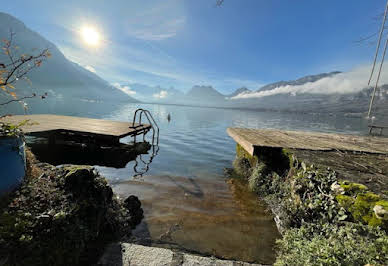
<point>300,81</point>
<point>204,93</point>
<point>58,75</point>
<point>238,91</point>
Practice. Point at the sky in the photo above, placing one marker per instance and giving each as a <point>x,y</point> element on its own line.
<point>182,43</point>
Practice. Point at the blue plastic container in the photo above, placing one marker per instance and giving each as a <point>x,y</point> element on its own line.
<point>12,163</point>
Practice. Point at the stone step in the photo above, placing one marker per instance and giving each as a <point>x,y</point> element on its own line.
<point>125,254</point>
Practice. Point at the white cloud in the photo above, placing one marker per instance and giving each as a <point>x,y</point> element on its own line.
<point>125,89</point>
<point>160,95</point>
<point>343,83</point>
<point>90,68</point>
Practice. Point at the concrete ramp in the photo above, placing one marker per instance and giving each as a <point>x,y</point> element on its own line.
<point>126,254</point>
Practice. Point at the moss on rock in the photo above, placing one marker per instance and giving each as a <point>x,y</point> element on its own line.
<point>352,188</point>
<point>362,207</point>
<point>345,201</point>
<point>242,153</point>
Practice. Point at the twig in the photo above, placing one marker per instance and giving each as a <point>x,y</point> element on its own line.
<point>361,165</point>
<point>23,98</point>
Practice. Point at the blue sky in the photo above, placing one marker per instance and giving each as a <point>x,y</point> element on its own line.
<point>182,43</point>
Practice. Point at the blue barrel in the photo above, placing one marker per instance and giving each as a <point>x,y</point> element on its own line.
<point>12,163</point>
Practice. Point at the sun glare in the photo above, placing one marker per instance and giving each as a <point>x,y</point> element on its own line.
<point>90,36</point>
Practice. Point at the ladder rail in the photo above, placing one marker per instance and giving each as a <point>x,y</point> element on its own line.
<point>154,126</point>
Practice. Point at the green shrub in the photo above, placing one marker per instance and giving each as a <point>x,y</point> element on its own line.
<point>311,197</point>
<point>316,213</point>
<point>242,167</point>
<point>258,177</point>
<point>329,244</point>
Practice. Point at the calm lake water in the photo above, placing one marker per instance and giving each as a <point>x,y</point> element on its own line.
<point>188,202</point>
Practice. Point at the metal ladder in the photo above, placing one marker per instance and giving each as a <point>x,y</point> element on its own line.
<point>151,121</point>
<point>154,143</point>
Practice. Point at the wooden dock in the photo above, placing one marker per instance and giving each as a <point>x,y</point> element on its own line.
<point>251,139</point>
<point>95,130</point>
<point>360,159</point>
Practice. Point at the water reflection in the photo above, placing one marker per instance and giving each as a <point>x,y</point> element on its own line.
<point>76,153</point>
<point>144,164</point>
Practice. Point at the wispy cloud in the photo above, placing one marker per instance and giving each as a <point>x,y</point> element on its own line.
<point>343,83</point>
<point>127,89</point>
<point>160,95</point>
<point>90,68</point>
<point>158,30</point>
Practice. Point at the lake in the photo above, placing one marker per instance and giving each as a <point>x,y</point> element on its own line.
<point>188,202</point>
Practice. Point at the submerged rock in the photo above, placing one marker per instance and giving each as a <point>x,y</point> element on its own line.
<point>133,205</point>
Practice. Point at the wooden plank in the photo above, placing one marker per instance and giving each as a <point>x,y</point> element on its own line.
<point>253,138</point>
<point>88,126</point>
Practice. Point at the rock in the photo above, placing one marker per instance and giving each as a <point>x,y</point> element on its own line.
<point>133,205</point>
<point>336,188</point>
<point>132,254</point>
<point>381,212</point>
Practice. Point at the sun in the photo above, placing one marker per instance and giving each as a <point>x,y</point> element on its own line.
<point>90,36</point>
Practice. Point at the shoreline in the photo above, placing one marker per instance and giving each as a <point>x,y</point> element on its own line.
<point>309,200</point>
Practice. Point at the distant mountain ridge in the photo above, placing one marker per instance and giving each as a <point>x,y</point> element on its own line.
<point>354,104</point>
<point>57,74</point>
<point>239,91</point>
<point>300,81</point>
<point>201,92</point>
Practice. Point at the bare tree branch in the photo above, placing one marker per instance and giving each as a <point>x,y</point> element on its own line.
<point>18,66</point>
<point>25,97</point>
